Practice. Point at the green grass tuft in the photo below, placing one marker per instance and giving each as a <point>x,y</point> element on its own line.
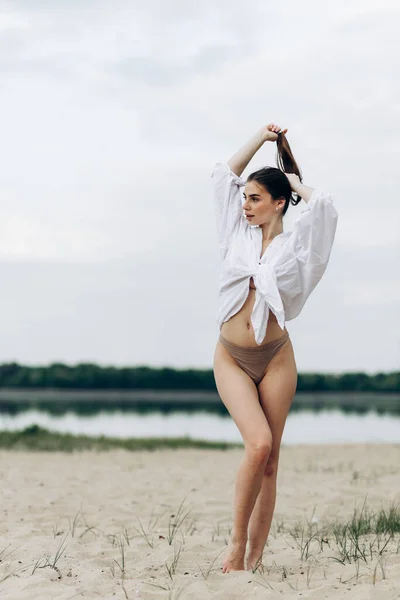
<point>37,438</point>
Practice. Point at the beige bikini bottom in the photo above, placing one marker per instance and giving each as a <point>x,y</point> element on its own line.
<point>254,360</point>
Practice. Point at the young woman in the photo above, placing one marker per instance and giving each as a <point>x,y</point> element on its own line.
<point>266,277</point>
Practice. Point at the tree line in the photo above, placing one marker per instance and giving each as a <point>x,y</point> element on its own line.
<point>86,376</point>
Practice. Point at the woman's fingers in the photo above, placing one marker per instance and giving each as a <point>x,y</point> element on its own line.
<point>275,128</point>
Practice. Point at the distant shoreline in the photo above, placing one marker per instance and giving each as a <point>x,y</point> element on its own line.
<point>38,438</point>
<point>89,376</point>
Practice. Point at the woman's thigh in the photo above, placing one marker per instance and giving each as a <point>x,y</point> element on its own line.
<point>276,391</point>
<point>239,394</point>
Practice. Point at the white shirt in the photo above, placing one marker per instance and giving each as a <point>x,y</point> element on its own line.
<point>291,266</point>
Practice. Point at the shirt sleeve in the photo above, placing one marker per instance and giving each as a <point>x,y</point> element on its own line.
<point>308,252</point>
<point>228,203</point>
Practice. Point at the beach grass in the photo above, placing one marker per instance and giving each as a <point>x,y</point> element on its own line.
<point>38,438</point>
<point>367,534</point>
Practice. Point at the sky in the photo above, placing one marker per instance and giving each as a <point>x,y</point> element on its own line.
<point>112,116</point>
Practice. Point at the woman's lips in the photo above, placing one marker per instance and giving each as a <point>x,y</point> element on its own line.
<point>249,216</point>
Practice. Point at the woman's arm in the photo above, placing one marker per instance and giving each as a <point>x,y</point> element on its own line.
<point>239,161</point>
<point>305,191</point>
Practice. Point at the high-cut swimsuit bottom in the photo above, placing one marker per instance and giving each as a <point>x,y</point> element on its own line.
<point>254,360</point>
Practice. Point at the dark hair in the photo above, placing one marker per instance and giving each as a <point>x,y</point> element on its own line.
<point>274,179</point>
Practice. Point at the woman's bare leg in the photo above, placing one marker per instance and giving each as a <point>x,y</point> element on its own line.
<point>276,392</point>
<point>240,396</point>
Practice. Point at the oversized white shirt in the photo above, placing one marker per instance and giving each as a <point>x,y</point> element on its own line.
<point>291,266</point>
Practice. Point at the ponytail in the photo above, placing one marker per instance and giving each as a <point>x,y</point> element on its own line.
<point>286,162</point>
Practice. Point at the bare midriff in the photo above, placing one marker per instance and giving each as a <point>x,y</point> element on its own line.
<point>239,329</point>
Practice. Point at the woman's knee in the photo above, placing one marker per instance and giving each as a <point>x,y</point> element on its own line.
<point>259,449</point>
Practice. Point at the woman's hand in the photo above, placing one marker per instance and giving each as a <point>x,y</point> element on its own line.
<point>294,181</point>
<point>271,132</point>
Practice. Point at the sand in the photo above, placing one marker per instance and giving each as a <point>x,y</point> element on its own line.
<point>92,503</point>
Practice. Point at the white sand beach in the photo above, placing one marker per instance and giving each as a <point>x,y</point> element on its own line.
<point>86,506</point>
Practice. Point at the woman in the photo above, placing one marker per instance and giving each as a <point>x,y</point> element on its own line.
<point>266,276</point>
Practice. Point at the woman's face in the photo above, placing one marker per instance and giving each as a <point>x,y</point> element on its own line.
<point>260,204</point>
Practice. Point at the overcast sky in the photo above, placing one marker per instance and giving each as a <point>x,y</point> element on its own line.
<point>112,117</point>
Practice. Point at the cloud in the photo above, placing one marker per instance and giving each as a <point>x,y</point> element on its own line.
<point>160,72</point>
<point>112,118</point>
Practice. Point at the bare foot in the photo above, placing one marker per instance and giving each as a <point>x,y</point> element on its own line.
<point>234,557</point>
<point>254,560</point>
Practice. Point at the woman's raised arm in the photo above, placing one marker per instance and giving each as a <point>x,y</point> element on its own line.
<point>239,161</point>
<point>302,190</point>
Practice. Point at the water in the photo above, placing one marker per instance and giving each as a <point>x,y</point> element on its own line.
<point>302,427</point>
